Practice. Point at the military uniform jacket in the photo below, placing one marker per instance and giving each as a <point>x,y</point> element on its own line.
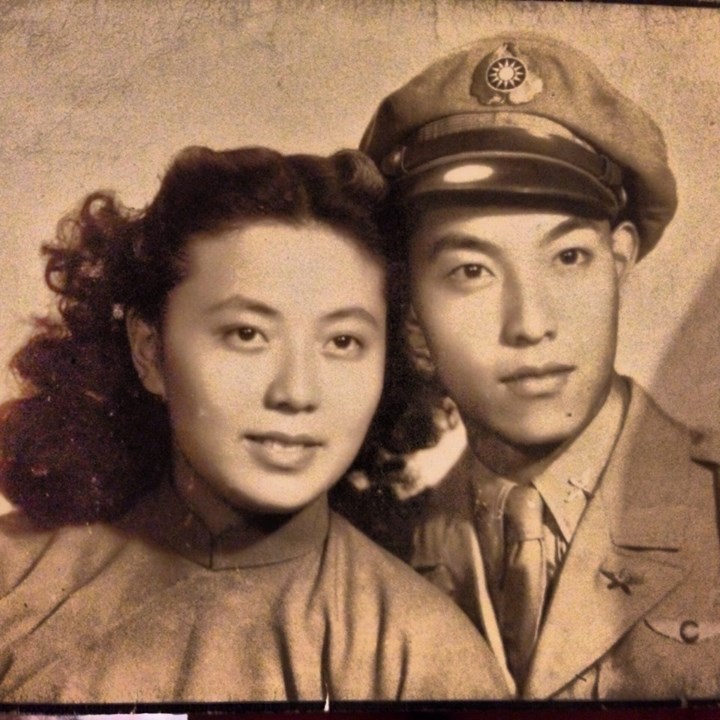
<point>635,611</point>
<point>153,609</point>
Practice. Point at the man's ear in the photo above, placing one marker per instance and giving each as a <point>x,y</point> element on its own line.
<point>145,348</point>
<point>417,346</point>
<point>625,243</point>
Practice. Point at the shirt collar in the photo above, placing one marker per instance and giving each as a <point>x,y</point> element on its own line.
<point>163,518</point>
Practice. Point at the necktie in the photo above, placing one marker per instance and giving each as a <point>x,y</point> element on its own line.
<point>525,577</point>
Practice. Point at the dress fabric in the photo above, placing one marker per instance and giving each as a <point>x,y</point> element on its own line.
<point>151,609</point>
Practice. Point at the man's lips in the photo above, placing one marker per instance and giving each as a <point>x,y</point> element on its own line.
<point>537,381</point>
<point>536,371</point>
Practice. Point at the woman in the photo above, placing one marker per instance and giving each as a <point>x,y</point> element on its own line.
<point>214,366</point>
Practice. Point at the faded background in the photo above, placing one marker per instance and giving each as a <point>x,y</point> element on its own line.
<point>101,93</point>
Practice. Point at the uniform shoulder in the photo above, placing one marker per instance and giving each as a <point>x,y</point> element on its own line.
<point>663,439</point>
<point>453,494</point>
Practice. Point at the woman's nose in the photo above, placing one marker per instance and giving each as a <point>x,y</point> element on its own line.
<point>294,387</point>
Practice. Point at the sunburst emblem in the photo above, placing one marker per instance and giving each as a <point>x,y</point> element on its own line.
<point>506,74</point>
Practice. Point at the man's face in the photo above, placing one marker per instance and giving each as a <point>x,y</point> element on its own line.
<point>520,310</point>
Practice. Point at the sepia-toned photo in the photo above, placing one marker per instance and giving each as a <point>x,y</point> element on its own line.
<point>358,351</point>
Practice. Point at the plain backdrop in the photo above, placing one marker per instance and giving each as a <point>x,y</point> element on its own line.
<point>101,93</point>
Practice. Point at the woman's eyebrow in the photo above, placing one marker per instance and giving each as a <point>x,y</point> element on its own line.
<point>240,302</point>
<point>355,312</point>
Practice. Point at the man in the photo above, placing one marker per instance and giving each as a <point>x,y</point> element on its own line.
<point>580,532</point>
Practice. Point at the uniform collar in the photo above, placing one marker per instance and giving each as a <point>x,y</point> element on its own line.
<point>570,477</point>
<point>163,518</point>
<point>567,479</point>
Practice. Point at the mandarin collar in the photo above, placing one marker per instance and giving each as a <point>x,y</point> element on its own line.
<point>163,518</point>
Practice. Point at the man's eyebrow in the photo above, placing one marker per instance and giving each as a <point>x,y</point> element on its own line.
<point>353,312</point>
<point>240,302</point>
<point>567,226</point>
<point>460,241</point>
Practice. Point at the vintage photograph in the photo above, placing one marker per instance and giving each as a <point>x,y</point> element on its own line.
<point>358,351</point>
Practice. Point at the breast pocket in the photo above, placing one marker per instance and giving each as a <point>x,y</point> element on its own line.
<point>687,630</point>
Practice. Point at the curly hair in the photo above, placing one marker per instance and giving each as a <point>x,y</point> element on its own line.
<point>405,421</point>
<point>85,440</point>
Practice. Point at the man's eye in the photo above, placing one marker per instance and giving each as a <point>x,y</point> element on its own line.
<point>246,334</point>
<point>470,271</point>
<point>573,256</point>
<point>344,346</point>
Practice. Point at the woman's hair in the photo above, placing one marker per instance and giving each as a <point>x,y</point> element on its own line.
<point>406,419</point>
<point>85,440</point>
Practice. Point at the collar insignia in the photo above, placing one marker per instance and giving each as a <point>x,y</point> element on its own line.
<point>622,580</point>
<point>505,77</point>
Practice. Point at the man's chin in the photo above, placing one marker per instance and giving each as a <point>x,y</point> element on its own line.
<point>540,430</point>
<point>545,431</point>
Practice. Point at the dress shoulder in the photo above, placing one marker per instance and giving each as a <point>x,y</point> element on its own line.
<point>445,656</point>
<point>389,575</point>
<point>21,544</point>
<point>59,558</point>
<point>705,447</point>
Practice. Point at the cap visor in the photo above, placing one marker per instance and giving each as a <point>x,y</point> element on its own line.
<point>503,177</point>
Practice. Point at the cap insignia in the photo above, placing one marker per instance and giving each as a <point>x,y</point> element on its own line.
<point>504,77</point>
<point>505,74</point>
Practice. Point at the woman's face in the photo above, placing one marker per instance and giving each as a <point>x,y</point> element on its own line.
<point>271,361</point>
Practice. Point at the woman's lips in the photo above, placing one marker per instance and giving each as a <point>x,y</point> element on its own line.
<point>278,451</point>
<point>538,381</point>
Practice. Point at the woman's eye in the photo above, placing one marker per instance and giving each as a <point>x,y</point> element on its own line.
<point>245,337</point>
<point>573,256</point>
<point>344,346</point>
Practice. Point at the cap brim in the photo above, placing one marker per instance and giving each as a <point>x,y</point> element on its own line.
<point>518,179</point>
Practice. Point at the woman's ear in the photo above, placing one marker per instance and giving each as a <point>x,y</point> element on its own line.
<point>625,243</point>
<point>418,347</point>
<point>145,348</point>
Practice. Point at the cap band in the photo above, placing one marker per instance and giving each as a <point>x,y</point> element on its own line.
<point>515,161</point>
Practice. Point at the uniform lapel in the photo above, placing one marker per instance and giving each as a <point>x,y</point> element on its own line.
<point>483,609</point>
<point>447,552</point>
<point>463,543</point>
<point>626,554</point>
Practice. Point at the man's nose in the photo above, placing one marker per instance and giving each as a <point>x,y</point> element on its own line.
<point>528,312</point>
<point>295,386</point>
